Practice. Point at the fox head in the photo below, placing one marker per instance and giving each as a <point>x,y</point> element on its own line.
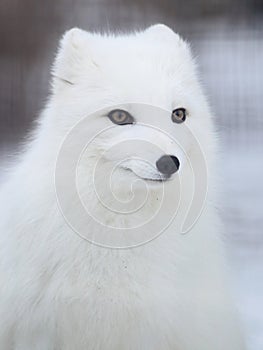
<point>131,112</point>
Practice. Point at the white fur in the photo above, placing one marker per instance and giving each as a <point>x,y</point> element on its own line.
<point>60,292</point>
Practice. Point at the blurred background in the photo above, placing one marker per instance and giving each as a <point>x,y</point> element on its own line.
<point>227,39</point>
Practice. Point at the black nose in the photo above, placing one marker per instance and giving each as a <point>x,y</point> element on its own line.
<point>167,164</point>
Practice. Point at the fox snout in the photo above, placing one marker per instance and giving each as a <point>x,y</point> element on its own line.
<point>168,164</point>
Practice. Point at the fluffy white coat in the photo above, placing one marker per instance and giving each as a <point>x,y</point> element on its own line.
<point>61,292</point>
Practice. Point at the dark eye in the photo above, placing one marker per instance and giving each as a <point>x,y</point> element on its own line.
<point>179,115</point>
<point>120,117</point>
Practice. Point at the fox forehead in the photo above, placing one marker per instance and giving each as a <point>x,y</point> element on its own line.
<point>154,67</point>
<point>143,62</point>
<point>157,51</point>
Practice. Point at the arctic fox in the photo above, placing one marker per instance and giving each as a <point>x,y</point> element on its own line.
<point>109,235</point>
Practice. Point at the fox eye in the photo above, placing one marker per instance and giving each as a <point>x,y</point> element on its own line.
<point>120,117</point>
<point>179,115</point>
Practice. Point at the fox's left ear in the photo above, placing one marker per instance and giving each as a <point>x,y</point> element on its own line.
<point>163,33</point>
<point>74,48</point>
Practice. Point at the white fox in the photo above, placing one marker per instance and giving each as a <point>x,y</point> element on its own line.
<point>92,256</point>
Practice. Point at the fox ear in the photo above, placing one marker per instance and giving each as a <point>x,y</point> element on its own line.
<point>162,32</point>
<point>73,48</point>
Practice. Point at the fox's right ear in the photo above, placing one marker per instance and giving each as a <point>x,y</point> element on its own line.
<point>74,47</point>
